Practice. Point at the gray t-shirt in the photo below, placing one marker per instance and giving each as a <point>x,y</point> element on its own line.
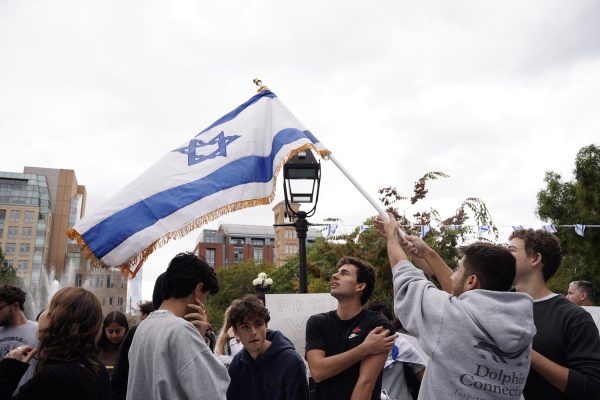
<point>12,337</point>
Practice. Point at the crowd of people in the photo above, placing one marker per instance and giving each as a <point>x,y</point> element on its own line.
<point>493,331</point>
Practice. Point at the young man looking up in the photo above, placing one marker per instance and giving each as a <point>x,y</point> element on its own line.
<point>347,348</point>
<point>268,366</point>
<point>169,358</point>
<point>565,363</point>
<point>479,338</point>
<point>15,329</point>
<point>581,293</point>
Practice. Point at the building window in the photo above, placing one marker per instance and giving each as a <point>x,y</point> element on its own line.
<point>110,301</point>
<point>79,280</point>
<point>26,232</point>
<point>12,232</point>
<point>15,215</point>
<point>210,257</point>
<point>210,236</point>
<point>120,301</point>
<point>258,242</point>
<point>9,263</point>
<point>23,266</point>
<point>290,234</point>
<point>237,241</point>
<point>238,254</point>
<point>122,282</point>
<point>100,281</point>
<point>258,255</point>
<point>24,248</point>
<point>2,215</point>
<point>28,218</point>
<point>10,249</point>
<point>109,282</point>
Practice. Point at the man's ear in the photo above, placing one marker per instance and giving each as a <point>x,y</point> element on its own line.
<point>361,286</point>
<point>537,260</point>
<point>472,282</point>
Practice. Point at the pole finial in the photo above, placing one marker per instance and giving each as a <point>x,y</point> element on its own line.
<point>260,85</point>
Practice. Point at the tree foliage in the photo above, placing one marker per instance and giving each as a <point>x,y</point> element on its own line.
<point>575,202</point>
<point>7,274</point>
<point>236,281</point>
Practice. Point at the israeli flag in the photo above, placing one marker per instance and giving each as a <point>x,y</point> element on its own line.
<point>550,228</point>
<point>331,229</point>
<point>483,229</point>
<point>425,230</point>
<point>517,227</point>
<point>228,166</point>
<point>580,229</point>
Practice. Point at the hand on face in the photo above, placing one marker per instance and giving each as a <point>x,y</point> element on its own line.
<point>198,318</point>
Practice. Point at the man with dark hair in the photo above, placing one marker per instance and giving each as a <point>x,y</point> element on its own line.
<point>268,366</point>
<point>347,348</point>
<point>565,363</point>
<point>479,337</point>
<point>15,329</point>
<point>145,308</point>
<point>581,293</point>
<point>169,358</point>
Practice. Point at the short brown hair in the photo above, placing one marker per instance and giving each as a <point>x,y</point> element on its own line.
<point>544,243</point>
<point>365,273</point>
<point>249,306</point>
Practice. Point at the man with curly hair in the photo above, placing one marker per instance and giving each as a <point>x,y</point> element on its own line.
<point>565,361</point>
<point>268,366</point>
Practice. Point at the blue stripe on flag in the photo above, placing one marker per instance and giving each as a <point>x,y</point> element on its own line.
<point>232,114</point>
<point>105,236</point>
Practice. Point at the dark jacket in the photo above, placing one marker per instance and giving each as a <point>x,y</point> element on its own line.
<point>64,381</point>
<point>280,373</point>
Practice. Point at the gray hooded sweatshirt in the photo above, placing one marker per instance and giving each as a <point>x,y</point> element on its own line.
<point>479,343</point>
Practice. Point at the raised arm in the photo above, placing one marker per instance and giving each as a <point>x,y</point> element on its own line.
<point>424,256</point>
<point>429,261</point>
<point>322,367</point>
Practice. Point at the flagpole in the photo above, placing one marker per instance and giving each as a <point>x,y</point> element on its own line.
<point>370,199</point>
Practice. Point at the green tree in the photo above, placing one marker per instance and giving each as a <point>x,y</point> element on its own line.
<point>575,202</point>
<point>7,274</point>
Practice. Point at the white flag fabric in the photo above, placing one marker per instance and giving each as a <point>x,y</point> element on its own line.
<point>425,229</point>
<point>580,229</point>
<point>550,228</point>
<point>331,230</point>
<point>228,166</point>
<point>483,229</point>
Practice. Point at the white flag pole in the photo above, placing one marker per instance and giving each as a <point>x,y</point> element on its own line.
<point>374,203</point>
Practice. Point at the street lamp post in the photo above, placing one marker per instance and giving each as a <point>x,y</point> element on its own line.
<point>301,183</point>
<point>262,284</point>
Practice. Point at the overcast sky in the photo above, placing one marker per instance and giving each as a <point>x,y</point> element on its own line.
<point>492,93</point>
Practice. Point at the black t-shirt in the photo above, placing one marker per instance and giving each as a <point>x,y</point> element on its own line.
<point>567,335</point>
<point>329,333</point>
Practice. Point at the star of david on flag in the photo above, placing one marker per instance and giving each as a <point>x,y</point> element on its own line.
<point>331,229</point>
<point>230,165</point>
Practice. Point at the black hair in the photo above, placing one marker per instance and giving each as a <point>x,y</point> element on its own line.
<point>146,307</point>
<point>365,273</point>
<point>113,316</point>
<point>494,266</point>
<point>13,294</point>
<point>184,273</point>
